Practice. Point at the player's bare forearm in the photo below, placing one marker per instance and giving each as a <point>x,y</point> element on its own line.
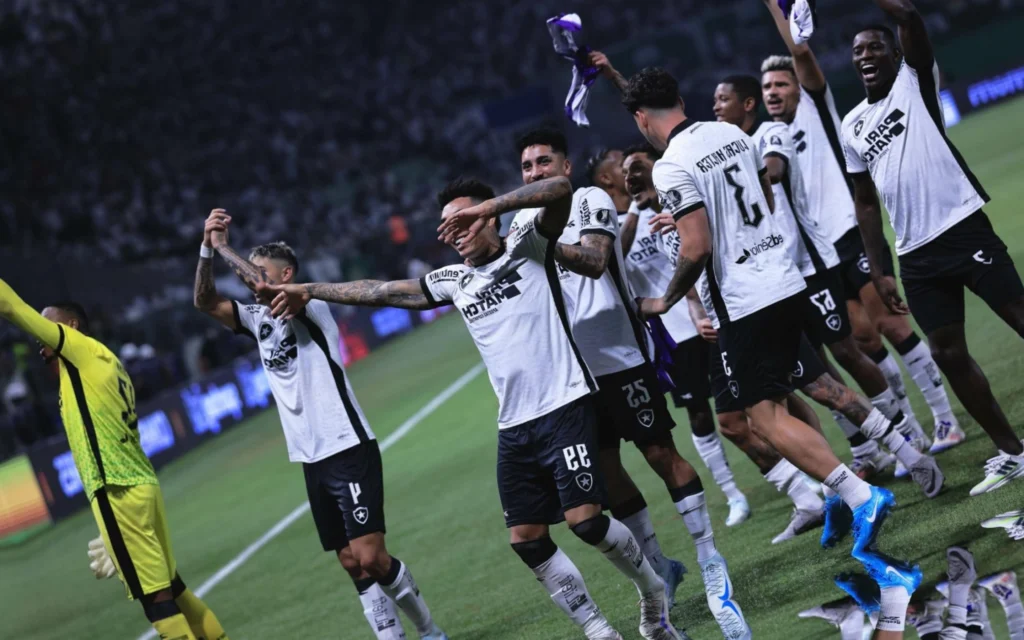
<point>405,294</point>
<point>204,293</point>
<point>869,219</point>
<point>618,80</point>
<point>695,306</point>
<point>917,46</point>
<point>766,188</point>
<point>589,258</point>
<point>247,272</point>
<point>554,195</point>
<point>808,72</point>
<point>627,232</point>
<point>900,10</point>
<point>686,274</point>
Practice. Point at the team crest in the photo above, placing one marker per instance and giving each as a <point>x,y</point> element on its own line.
<point>466,280</point>
<point>857,128</point>
<point>585,481</point>
<point>734,388</point>
<point>646,418</point>
<point>863,264</point>
<point>834,322</point>
<point>361,514</point>
<point>266,330</point>
<point>776,141</point>
<point>799,371</point>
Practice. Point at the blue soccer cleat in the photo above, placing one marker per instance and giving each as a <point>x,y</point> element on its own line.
<point>862,589</point>
<point>889,572</point>
<point>673,578</point>
<point>838,521</point>
<point>868,519</point>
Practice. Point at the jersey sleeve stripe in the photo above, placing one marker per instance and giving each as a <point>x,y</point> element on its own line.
<point>118,546</point>
<point>556,293</point>
<point>820,99</point>
<point>716,294</point>
<point>83,409</point>
<point>600,232</point>
<point>317,335</point>
<point>688,210</point>
<point>60,340</point>
<point>764,170</point>
<point>426,291</point>
<point>774,154</point>
<point>240,329</point>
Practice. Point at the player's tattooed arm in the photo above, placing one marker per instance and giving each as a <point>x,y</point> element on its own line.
<point>694,251</point>
<point>604,65</point>
<point>869,220</point>
<point>589,258</point>
<point>808,72</point>
<point>247,272</point>
<point>204,293</point>
<point>553,195</point>
<point>292,298</point>
<point>914,40</point>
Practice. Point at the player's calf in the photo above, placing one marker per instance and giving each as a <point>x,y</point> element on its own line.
<point>165,615</point>
<point>201,619</point>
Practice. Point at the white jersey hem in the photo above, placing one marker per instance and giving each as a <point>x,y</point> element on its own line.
<point>543,412</point>
<point>964,212</point>
<point>328,455</point>
<point>788,293</point>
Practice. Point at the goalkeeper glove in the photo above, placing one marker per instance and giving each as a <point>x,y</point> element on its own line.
<point>99,560</point>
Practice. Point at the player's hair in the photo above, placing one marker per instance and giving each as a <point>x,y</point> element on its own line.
<point>745,87</point>
<point>651,88</point>
<point>76,311</point>
<point>888,34</point>
<point>778,63</point>
<point>643,147</point>
<point>594,162</point>
<point>549,136</point>
<point>276,251</point>
<point>464,187</point>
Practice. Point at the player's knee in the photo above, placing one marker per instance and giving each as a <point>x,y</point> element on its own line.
<point>702,419</point>
<point>950,355</point>
<point>535,552</point>
<point>896,329</point>
<point>661,456</point>
<point>374,562</point>
<point>734,426</point>
<point>159,605</point>
<point>349,562</point>
<point>177,586</point>
<point>593,530</point>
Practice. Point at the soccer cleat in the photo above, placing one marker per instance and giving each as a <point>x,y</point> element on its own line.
<point>838,613</point>
<point>948,434</point>
<point>1003,586</point>
<point>838,521</point>
<point>654,619</point>
<point>864,591</point>
<point>802,521</point>
<point>673,578</point>
<point>927,617</point>
<point>889,572</point>
<point>1012,521</point>
<point>928,476</point>
<point>718,589</point>
<point>867,467</point>
<point>436,634</point>
<point>961,566</point>
<point>739,511</point>
<point>998,471</point>
<point>868,519</point>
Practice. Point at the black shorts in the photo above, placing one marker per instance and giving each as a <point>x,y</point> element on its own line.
<point>690,372</point>
<point>759,351</point>
<point>346,495</point>
<point>549,465</point>
<point>968,254</point>
<point>631,407</point>
<point>826,320</point>
<point>809,366</point>
<point>723,388</point>
<point>853,263</point>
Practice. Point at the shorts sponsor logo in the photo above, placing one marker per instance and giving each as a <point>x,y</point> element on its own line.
<point>585,481</point>
<point>834,322</point>
<point>734,388</point>
<point>980,257</point>
<point>863,264</point>
<point>361,514</point>
<point>646,418</point>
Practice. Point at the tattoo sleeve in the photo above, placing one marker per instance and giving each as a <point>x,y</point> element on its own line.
<point>246,271</point>
<point>685,276</point>
<point>589,258</point>
<point>405,294</point>
<point>542,193</point>
<point>204,295</point>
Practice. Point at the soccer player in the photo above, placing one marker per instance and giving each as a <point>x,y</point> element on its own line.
<point>736,102</point>
<point>895,141</point>
<point>797,94</point>
<point>324,428</point>
<point>97,407</point>
<point>509,294</point>
<point>712,180</point>
<point>647,270</point>
<point>614,344</point>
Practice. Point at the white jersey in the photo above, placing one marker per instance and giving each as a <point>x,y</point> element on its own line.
<point>925,184</point>
<point>515,312</point>
<point>715,166</point>
<point>650,270</point>
<point>819,152</point>
<point>815,251</point>
<point>604,322</point>
<point>319,412</point>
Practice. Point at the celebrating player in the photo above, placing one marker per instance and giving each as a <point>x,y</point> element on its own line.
<point>97,407</point>
<point>509,295</point>
<point>324,428</point>
<point>797,94</point>
<point>895,141</point>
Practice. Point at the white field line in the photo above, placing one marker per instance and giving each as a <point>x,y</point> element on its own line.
<point>298,511</point>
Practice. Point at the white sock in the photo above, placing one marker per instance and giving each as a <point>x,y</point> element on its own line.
<point>642,528</point>
<point>879,428</point>
<point>852,628</point>
<point>622,549</point>
<point>956,615</point>
<point>381,613</point>
<point>848,428</point>
<point>407,595</point>
<point>1014,613</point>
<point>694,511</point>
<point>866,450</point>
<point>953,633</point>
<point>786,478</point>
<point>887,403</point>
<point>565,585</point>
<point>926,376</point>
<point>713,454</point>
<point>893,612</point>
<point>827,491</point>
<point>850,488</point>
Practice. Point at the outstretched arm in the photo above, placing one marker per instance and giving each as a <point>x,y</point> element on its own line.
<point>552,195</point>
<point>589,258</point>
<point>292,298</point>
<point>694,250</point>
<point>808,73</point>
<point>17,311</point>
<point>601,61</point>
<point>917,46</point>
<point>204,294</point>
<point>869,219</point>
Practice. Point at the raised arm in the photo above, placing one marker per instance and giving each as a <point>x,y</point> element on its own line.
<point>601,61</point>
<point>589,258</point>
<point>15,310</point>
<point>290,299</point>
<point>869,219</point>
<point>917,46</point>
<point>808,73</point>
<point>552,195</point>
<point>204,293</point>
<point>694,250</point>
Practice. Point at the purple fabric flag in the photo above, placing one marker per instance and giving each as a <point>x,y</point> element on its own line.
<point>566,33</point>
<point>664,345</point>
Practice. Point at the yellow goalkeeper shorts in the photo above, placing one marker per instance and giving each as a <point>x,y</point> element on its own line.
<point>134,527</point>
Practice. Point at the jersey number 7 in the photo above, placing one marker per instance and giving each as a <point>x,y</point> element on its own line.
<point>738,190</point>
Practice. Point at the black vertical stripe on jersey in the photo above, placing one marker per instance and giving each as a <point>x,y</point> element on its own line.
<point>829,125</point>
<point>317,334</point>
<point>240,329</point>
<point>716,294</point>
<point>930,95</point>
<point>117,545</point>
<point>556,292</point>
<point>639,333</point>
<point>60,341</point>
<point>83,409</point>
<point>812,251</point>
